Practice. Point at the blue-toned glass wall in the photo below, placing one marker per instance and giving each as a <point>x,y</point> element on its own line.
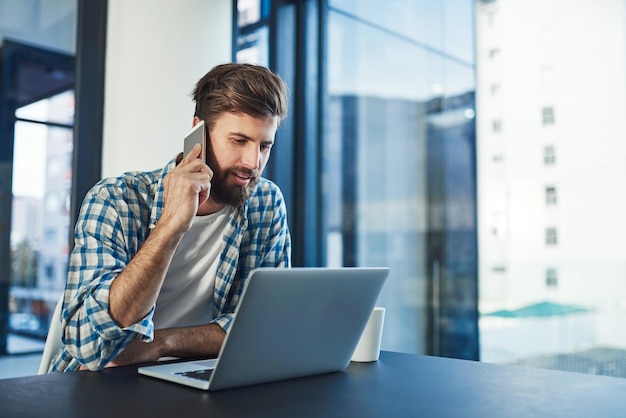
<point>252,28</point>
<point>395,150</point>
<point>399,164</point>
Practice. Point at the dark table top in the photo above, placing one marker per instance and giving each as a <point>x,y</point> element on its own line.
<point>398,385</point>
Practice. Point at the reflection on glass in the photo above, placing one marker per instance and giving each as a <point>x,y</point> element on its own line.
<point>41,185</point>
<point>442,26</point>
<point>399,148</point>
<point>55,109</point>
<point>251,11</point>
<point>253,47</point>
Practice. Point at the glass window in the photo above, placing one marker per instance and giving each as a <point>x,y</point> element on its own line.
<point>564,250</point>
<point>393,92</point>
<point>399,151</point>
<point>549,155</point>
<point>39,117</point>
<point>399,147</point>
<point>253,33</point>
<point>440,25</point>
<point>550,195</point>
<point>56,109</point>
<point>551,236</point>
<point>547,115</point>
<point>253,47</point>
<point>552,279</point>
<point>42,180</point>
<point>493,53</point>
<point>251,11</point>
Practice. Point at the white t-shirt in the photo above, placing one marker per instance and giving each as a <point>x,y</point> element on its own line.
<point>186,297</point>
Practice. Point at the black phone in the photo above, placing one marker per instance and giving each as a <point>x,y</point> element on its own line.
<point>197,135</point>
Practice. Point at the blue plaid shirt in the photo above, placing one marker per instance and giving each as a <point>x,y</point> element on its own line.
<point>115,220</point>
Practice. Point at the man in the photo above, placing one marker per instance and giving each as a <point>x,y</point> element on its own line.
<point>161,257</point>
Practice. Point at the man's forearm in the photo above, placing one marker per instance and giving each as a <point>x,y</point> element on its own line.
<point>135,290</point>
<point>199,341</point>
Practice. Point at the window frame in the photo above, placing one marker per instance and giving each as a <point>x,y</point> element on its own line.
<point>547,115</point>
<point>552,236</point>
<point>549,155</point>
<point>551,195</point>
<point>296,154</point>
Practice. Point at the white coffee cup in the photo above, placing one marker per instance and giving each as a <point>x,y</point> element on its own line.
<point>368,348</point>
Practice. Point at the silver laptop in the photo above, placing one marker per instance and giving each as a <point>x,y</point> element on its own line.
<point>289,323</point>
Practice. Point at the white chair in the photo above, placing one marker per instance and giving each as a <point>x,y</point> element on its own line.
<point>53,340</point>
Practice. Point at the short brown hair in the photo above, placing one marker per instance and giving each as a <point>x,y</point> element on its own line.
<point>240,88</point>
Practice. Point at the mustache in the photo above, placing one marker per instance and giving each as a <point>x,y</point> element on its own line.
<point>245,172</point>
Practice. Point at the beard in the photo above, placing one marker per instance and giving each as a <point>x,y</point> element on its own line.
<point>224,191</point>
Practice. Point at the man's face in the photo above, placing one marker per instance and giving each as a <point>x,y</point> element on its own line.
<point>239,146</point>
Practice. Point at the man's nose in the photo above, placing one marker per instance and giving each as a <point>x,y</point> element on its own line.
<point>251,157</point>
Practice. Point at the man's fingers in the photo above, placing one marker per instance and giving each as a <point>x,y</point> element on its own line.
<point>191,163</point>
<point>193,154</point>
<point>206,169</point>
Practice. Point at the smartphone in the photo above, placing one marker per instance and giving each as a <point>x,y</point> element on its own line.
<point>197,135</point>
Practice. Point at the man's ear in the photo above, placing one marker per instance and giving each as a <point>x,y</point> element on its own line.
<point>196,120</point>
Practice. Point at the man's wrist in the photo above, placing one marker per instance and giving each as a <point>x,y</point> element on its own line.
<point>165,342</point>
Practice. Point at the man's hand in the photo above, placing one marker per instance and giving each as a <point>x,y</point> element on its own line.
<point>137,352</point>
<point>186,187</point>
<point>200,341</point>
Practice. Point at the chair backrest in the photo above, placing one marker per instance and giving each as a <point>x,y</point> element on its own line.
<point>53,340</point>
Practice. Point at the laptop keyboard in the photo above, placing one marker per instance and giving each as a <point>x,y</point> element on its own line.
<point>204,374</point>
